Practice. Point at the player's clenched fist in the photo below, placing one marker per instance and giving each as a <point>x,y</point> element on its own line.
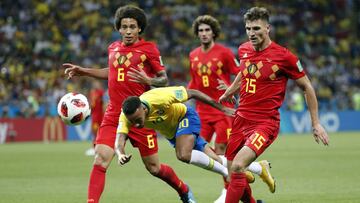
<point>123,158</point>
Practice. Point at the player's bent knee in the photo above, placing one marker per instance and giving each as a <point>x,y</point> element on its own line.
<point>220,149</point>
<point>153,169</point>
<point>237,167</point>
<point>102,160</point>
<point>184,156</point>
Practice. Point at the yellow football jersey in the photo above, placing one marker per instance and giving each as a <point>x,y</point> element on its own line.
<point>165,110</point>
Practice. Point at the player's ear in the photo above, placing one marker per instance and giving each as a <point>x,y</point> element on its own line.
<point>139,30</point>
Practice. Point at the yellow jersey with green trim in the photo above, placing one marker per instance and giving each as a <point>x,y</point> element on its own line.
<point>165,110</point>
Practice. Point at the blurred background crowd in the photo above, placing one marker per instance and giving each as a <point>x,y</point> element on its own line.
<point>37,37</point>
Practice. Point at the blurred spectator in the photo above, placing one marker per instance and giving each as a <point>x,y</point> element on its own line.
<point>356,99</point>
<point>296,100</point>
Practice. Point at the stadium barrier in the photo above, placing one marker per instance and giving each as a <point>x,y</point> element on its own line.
<point>26,129</point>
<point>333,121</point>
<point>53,130</point>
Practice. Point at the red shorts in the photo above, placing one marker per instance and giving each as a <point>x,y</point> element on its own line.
<point>144,139</point>
<point>258,135</point>
<point>221,125</point>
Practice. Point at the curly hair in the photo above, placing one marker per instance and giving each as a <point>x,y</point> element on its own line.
<point>130,105</point>
<point>130,11</point>
<point>257,13</point>
<point>208,20</point>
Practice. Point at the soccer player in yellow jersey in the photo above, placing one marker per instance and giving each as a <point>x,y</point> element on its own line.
<point>162,109</point>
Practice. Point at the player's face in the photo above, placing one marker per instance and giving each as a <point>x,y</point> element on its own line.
<point>205,34</point>
<point>258,33</point>
<point>138,117</point>
<point>129,31</point>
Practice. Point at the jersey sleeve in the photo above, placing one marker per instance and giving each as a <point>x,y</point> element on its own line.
<point>192,82</point>
<point>124,124</point>
<point>155,59</point>
<point>293,68</point>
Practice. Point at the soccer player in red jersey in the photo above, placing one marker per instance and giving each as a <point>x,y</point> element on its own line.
<point>211,67</point>
<point>265,68</point>
<point>133,66</point>
<point>96,95</point>
<point>210,63</point>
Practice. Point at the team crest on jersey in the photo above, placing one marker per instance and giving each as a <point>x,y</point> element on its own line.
<point>179,94</point>
<point>121,59</point>
<point>252,68</point>
<point>204,69</point>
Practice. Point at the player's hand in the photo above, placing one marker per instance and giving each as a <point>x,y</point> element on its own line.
<point>221,85</point>
<point>138,76</point>
<point>123,158</point>
<point>72,70</point>
<point>320,134</point>
<point>228,111</point>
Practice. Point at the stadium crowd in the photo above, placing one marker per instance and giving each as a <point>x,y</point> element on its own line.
<point>37,37</point>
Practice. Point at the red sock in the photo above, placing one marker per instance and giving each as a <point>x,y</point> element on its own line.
<point>167,174</point>
<point>96,183</point>
<point>239,189</point>
<point>247,195</point>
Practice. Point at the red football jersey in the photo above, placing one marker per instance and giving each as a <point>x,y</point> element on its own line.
<point>96,103</point>
<point>264,77</point>
<point>206,68</point>
<point>141,55</point>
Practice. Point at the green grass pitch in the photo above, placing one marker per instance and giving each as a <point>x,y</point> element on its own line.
<point>58,172</point>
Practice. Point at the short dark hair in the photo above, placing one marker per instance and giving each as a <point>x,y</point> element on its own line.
<point>208,20</point>
<point>130,11</point>
<point>130,105</point>
<point>257,13</point>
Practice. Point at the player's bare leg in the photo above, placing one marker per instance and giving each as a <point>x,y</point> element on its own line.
<point>239,188</point>
<point>165,173</point>
<point>220,148</point>
<point>103,156</point>
<point>184,152</point>
<point>249,176</point>
<point>208,151</point>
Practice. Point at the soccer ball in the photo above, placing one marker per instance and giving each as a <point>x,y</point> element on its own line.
<point>73,108</point>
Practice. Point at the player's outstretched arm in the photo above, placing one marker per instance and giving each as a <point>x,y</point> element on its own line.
<point>311,101</point>
<point>208,100</point>
<point>75,70</point>
<point>234,87</point>
<point>120,141</point>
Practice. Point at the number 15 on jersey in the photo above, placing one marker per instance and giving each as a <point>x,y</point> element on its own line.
<point>250,85</point>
